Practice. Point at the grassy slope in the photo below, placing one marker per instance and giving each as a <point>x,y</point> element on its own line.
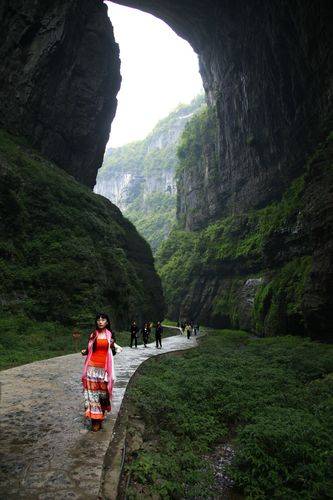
<point>64,253</point>
<point>273,394</point>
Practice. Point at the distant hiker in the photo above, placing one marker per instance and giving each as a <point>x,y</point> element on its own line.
<point>158,335</point>
<point>134,334</point>
<point>188,330</point>
<point>98,373</point>
<point>145,330</point>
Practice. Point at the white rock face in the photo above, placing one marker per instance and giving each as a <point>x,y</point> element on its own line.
<point>137,170</point>
<point>140,177</point>
<point>163,182</point>
<point>115,188</point>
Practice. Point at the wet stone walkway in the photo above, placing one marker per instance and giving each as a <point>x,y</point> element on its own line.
<point>47,450</point>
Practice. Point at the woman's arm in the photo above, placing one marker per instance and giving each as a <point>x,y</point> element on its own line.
<point>84,352</point>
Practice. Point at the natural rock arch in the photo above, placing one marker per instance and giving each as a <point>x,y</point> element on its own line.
<point>265,65</point>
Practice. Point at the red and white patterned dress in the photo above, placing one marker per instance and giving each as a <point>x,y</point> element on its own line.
<point>97,379</point>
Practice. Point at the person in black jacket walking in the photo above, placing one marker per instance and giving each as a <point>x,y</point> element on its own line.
<point>134,334</point>
<point>158,335</point>
<point>145,330</point>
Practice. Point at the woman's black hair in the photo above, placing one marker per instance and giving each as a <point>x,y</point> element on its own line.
<point>104,316</point>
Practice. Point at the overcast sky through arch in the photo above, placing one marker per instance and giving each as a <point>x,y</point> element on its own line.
<point>159,70</point>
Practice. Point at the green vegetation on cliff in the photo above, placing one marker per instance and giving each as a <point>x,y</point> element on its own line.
<point>199,132</point>
<point>250,270</point>
<point>268,399</point>
<point>66,252</point>
<point>236,246</point>
<point>148,198</point>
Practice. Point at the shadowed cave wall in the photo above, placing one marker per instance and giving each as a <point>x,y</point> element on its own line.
<point>267,72</point>
<point>60,74</point>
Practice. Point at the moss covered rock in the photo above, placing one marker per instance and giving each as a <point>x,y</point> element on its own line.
<point>266,270</point>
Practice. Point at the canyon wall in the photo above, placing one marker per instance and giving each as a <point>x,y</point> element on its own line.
<point>267,73</point>
<point>248,251</point>
<point>65,252</point>
<point>59,79</point>
<point>140,177</point>
<point>267,68</point>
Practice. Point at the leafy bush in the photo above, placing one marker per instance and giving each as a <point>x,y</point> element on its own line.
<point>275,393</point>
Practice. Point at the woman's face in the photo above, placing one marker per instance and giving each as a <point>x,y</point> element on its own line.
<point>102,322</point>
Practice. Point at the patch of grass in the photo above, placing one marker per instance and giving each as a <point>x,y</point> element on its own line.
<point>274,393</point>
<point>23,340</point>
<point>169,322</point>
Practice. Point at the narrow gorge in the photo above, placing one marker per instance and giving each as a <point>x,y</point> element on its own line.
<point>253,244</point>
<point>140,177</point>
<point>225,218</point>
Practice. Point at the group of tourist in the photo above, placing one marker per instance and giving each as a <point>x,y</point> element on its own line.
<point>98,373</point>
<point>188,327</point>
<point>145,332</point>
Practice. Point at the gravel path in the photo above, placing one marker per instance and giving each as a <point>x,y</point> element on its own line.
<point>47,450</point>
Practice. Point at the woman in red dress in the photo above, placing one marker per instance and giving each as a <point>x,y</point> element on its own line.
<point>98,372</point>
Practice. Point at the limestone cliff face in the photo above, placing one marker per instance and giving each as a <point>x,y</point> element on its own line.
<point>267,73</point>
<point>59,79</point>
<point>140,177</point>
<point>267,68</point>
<point>265,65</point>
<point>148,166</point>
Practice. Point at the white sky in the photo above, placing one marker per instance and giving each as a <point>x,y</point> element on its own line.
<point>159,70</point>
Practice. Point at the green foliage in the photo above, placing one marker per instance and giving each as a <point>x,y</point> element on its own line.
<point>153,213</point>
<point>280,301</point>
<point>244,236</point>
<point>234,242</point>
<point>275,393</point>
<point>286,450</point>
<point>23,340</point>
<point>176,261</point>
<point>64,251</point>
<point>199,132</point>
<point>155,220</point>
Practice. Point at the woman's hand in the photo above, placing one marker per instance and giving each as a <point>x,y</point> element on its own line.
<point>118,347</point>
<point>84,352</point>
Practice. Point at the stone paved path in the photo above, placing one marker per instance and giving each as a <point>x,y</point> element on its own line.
<point>47,450</point>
